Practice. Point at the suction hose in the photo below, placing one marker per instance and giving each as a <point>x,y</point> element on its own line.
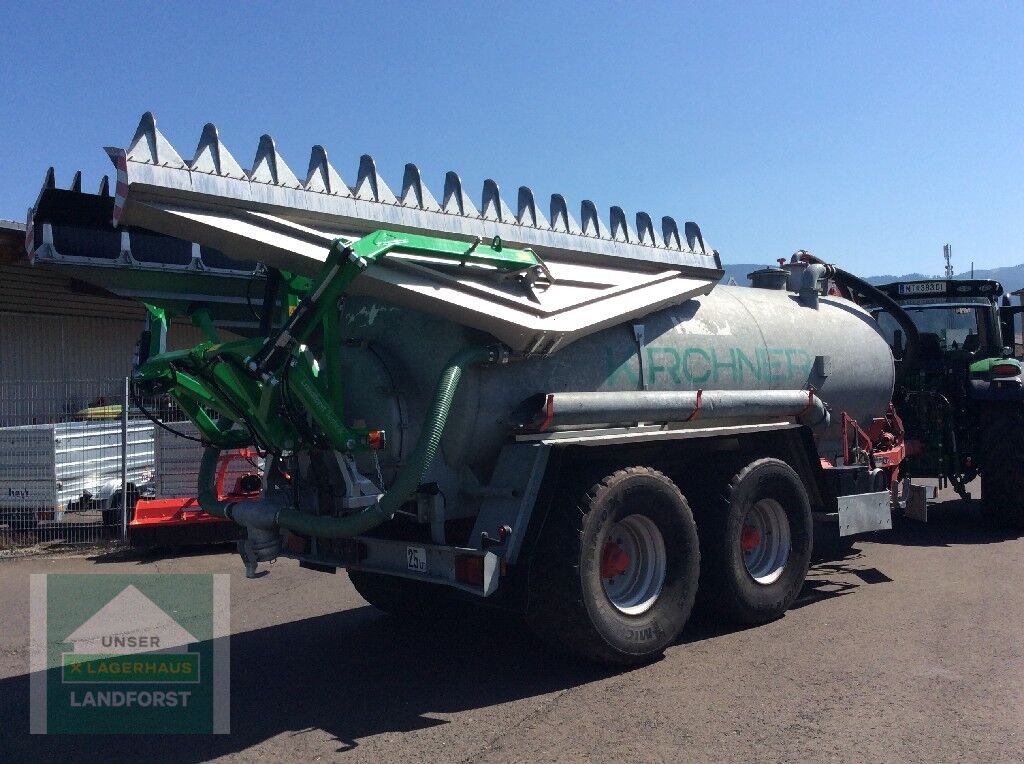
<point>411,475</point>
<point>208,498</point>
<point>406,482</point>
<point>857,284</point>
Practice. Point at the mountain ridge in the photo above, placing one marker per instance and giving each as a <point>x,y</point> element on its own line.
<point>1011,276</point>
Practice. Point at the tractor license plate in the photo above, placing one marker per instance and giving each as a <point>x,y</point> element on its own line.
<point>416,558</point>
<point>924,287</point>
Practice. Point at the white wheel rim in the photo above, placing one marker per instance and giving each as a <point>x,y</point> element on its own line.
<point>765,541</point>
<point>632,564</point>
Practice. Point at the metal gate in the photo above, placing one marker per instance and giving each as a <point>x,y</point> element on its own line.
<point>75,456</point>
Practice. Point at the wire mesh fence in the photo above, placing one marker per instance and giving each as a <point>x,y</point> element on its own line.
<point>76,456</point>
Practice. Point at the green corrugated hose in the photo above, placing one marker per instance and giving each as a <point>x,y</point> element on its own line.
<point>407,481</point>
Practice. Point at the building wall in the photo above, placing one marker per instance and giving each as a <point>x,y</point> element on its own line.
<point>63,346</point>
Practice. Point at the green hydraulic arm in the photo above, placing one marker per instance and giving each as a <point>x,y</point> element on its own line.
<point>236,392</point>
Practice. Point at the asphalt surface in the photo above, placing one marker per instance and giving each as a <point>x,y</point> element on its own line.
<point>908,648</point>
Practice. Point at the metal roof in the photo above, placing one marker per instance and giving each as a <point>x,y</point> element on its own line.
<point>12,238</point>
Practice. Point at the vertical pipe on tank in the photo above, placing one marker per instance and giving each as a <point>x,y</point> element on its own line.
<point>124,460</point>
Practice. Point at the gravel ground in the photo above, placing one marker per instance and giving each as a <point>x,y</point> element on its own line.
<point>907,649</point>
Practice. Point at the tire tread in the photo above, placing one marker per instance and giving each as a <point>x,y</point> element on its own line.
<point>557,609</point>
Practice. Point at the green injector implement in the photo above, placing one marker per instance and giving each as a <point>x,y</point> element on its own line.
<point>272,393</point>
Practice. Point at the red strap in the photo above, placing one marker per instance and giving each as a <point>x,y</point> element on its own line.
<point>549,412</point>
<point>810,403</point>
<point>696,407</point>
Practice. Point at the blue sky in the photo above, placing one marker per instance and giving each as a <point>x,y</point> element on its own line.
<point>868,133</point>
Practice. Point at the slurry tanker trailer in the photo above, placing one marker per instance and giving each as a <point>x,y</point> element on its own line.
<point>570,419</point>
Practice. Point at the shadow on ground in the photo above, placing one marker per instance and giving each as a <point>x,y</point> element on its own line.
<point>354,674</point>
<point>950,523</point>
<point>358,673</point>
<point>953,522</point>
<point>149,555</point>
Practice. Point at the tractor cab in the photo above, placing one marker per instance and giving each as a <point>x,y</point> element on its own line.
<point>961,364</point>
<point>962,319</point>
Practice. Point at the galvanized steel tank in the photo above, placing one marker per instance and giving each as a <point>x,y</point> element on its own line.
<point>735,338</point>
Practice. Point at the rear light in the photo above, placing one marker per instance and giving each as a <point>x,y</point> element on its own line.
<point>376,439</point>
<point>1005,370</point>
<point>469,569</point>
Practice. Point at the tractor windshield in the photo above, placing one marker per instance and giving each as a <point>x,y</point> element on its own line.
<point>943,328</point>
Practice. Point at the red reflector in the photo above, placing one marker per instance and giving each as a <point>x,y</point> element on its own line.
<point>375,439</point>
<point>1005,370</point>
<point>469,569</point>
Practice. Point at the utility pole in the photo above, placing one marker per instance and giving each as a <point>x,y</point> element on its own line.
<point>947,252</point>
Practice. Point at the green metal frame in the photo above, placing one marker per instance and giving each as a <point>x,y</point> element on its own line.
<point>255,386</point>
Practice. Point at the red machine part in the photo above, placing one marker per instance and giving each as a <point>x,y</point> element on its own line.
<point>614,560</point>
<point>181,520</point>
<point>882,446</point>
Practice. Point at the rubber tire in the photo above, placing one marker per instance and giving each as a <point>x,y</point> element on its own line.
<point>727,589</point>
<point>568,606</point>
<point>1002,467</point>
<point>406,598</point>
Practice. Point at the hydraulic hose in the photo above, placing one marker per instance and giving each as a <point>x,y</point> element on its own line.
<point>208,498</point>
<point>857,284</point>
<point>410,475</point>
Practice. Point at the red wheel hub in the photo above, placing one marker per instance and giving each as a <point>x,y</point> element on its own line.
<point>614,560</point>
<point>750,539</point>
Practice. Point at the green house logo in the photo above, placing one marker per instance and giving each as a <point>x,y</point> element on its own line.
<point>130,654</point>
<point>155,648</point>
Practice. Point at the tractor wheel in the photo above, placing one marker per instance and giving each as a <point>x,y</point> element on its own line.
<point>613,579</point>
<point>1002,467</point>
<point>756,538</point>
<point>406,598</point>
